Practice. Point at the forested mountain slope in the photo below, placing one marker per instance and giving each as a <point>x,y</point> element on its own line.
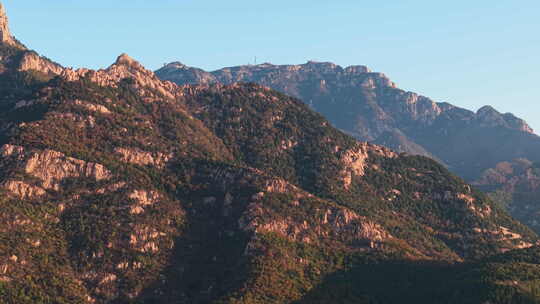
<point>118,187</point>
<point>370,107</point>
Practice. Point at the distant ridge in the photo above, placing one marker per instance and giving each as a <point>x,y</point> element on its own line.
<point>372,108</point>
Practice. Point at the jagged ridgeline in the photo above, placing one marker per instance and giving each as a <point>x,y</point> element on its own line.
<point>118,187</point>
<point>369,106</point>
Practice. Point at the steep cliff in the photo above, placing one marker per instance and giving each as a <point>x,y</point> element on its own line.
<point>5,34</point>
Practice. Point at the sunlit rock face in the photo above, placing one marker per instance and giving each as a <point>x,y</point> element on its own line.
<point>5,34</point>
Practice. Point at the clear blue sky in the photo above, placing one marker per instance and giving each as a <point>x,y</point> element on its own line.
<point>469,53</point>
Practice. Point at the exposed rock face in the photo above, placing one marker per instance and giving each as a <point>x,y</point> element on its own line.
<point>32,61</point>
<point>112,187</point>
<point>354,162</point>
<point>144,199</point>
<point>279,186</point>
<point>124,68</point>
<point>23,190</point>
<point>512,239</point>
<point>11,150</point>
<point>92,107</point>
<point>145,239</point>
<point>330,223</point>
<point>5,34</point>
<point>16,57</point>
<point>143,158</point>
<point>50,167</point>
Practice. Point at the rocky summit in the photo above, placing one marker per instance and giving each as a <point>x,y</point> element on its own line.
<point>119,187</point>
<point>370,107</point>
<point>5,34</point>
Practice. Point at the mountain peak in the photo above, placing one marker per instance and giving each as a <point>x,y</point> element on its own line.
<point>125,59</point>
<point>5,34</point>
<point>487,110</point>
<point>126,62</point>
<point>487,115</point>
<point>176,65</point>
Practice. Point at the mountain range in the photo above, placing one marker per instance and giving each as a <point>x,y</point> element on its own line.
<point>370,107</point>
<point>120,187</point>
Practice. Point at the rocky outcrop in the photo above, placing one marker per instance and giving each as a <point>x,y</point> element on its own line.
<point>143,158</point>
<point>143,199</point>
<point>18,57</point>
<point>33,62</point>
<point>512,240</point>
<point>5,34</point>
<point>331,223</point>
<point>23,189</point>
<point>49,167</point>
<point>145,239</point>
<point>466,200</point>
<point>112,187</point>
<point>471,203</point>
<point>126,68</point>
<point>279,185</point>
<point>354,162</point>
<point>82,121</point>
<point>92,107</point>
